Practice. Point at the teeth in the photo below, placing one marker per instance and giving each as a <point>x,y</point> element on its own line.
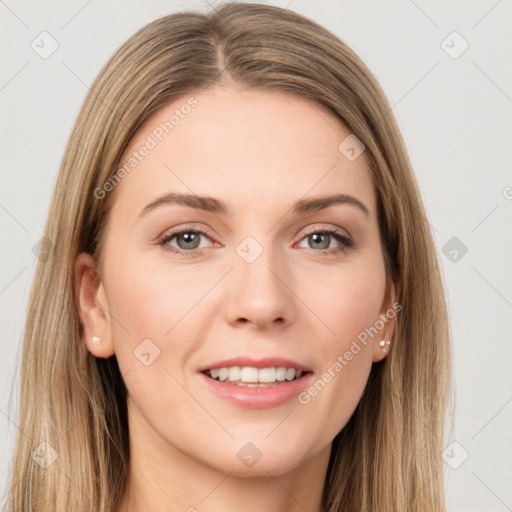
<point>223,373</point>
<point>281,373</point>
<point>290,374</point>
<point>267,375</point>
<point>249,374</point>
<point>252,376</point>
<point>234,373</point>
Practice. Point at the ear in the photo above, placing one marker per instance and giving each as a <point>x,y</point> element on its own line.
<point>389,311</point>
<point>92,305</point>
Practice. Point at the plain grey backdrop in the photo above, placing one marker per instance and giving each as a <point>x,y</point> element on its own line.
<point>446,69</point>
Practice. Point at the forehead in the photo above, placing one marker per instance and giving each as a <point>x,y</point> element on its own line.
<point>245,146</point>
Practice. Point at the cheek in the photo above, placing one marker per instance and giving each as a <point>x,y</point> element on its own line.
<point>346,300</point>
<point>354,316</point>
<point>150,300</point>
<point>152,312</point>
<point>349,308</point>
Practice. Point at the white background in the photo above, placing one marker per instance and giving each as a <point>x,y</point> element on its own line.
<point>455,115</point>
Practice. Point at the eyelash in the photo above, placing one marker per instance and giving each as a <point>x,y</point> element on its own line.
<point>346,242</point>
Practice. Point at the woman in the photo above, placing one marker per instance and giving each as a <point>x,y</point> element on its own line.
<point>242,307</point>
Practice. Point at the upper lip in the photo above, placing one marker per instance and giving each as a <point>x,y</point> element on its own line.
<point>266,362</point>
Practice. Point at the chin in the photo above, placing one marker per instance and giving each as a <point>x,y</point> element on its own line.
<point>252,459</point>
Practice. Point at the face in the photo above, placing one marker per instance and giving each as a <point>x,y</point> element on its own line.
<point>260,273</point>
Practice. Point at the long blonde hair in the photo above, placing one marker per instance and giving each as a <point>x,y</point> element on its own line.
<point>388,456</point>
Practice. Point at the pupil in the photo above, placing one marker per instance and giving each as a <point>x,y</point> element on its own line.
<point>316,236</point>
<point>190,239</point>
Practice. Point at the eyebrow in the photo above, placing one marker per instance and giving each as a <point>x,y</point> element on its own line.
<point>213,205</point>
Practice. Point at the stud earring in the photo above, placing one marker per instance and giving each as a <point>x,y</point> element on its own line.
<point>96,340</point>
<point>384,344</point>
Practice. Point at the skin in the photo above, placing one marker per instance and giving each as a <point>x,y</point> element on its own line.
<point>259,152</point>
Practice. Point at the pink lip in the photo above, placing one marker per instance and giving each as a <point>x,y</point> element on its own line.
<point>258,398</point>
<point>267,362</point>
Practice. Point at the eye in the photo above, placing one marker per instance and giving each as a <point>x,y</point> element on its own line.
<point>320,240</point>
<point>187,240</point>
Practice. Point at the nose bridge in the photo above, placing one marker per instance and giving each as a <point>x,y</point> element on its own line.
<point>257,292</point>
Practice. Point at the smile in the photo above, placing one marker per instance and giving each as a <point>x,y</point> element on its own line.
<point>254,377</point>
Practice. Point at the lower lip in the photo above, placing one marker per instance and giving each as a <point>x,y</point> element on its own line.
<point>258,397</point>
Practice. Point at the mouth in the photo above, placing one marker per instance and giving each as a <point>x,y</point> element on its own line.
<point>256,383</point>
<point>250,376</point>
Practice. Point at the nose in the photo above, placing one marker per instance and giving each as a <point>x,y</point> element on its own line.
<point>259,293</point>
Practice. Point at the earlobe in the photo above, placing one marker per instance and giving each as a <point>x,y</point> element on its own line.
<point>381,349</point>
<point>92,307</point>
<point>382,343</point>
